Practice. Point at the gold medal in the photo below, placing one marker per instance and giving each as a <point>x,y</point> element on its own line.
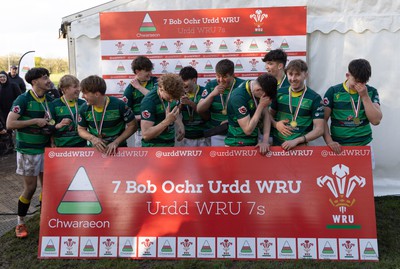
<point>191,118</point>
<point>224,112</point>
<point>356,121</point>
<point>52,122</point>
<point>293,123</point>
<point>100,135</point>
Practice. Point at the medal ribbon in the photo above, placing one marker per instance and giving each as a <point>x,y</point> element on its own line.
<point>280,84</point>
<point>356,110</point>
<point>248,89</point>
<point>224,103</point>
<point>162,102</point>
<point>102,117</point>
<point>74,117</point>
<point>189,109</point>
<point>296,113</point>
<point>45,108</point>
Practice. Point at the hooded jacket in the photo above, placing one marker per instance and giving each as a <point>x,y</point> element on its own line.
<point>8,93</point>
<point>19,81</point>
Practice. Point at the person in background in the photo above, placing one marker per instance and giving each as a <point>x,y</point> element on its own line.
<point>105,121</point>
<point>215,99</point>
<point>275,62</point>
<point>15,78</point>
<point>140,85</point>
<point>8,93</point>
<point>54,92</point>
<point>30,116</point>
<point>160,111</point>
<point>247,108</point>
<point>352,106</point>
<point>65,111</point>
<point>297,111</point>
<point>194,123</point>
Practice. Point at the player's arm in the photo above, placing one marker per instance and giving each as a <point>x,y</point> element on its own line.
<point>151,131</point>
<point>280,125</point>
<point>136,84</point>
<point>372,110</point>
<point>14,123</point>
<point>97,142</point>
<point>180,128</point>
<point>317,131</point>
<point>266,125</point>
<point>335,146</point>
<point>205,103</point>
<point>130,128</point>
<point>248,124</point>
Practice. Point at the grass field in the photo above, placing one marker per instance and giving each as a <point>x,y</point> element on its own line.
<point>20,254</point>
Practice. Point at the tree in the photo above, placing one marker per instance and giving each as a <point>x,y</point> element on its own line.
<point>54,65</point>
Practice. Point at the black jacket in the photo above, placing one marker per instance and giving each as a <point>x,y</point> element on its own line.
<point>8,93</point>
<point>19,81</point>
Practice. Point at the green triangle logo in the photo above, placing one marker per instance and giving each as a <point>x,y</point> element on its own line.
<point>50,246</point>
<point>147,24</point>
<point>246,248</point>
<point>80,197</point>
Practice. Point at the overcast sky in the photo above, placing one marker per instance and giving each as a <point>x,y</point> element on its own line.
<point>33,25</point>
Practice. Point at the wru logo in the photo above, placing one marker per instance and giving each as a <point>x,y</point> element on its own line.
<point>341,186</point>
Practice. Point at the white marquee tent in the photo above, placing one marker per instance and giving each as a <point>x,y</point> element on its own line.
<point>337,32</point>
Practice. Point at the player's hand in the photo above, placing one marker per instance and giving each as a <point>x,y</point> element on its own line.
<point>264,101</point>
<point>135,83</point>
<point>171,116</point>
<point>185,100</point>
<point>290,144</point>
<point>111,148</point>
<point>99,144</point>
<point>361,89</point>
<point>180,134</point>
<point>283,128</point>
<point>335,147</point>
<point>41,122</point>
<point>264,147</point>
<point>63,122</point>
<point>219,89</point>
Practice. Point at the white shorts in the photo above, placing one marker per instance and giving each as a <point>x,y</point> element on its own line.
<point>200,142</point>
<point>29,165</point>
<point>135,140</point>
<point>218,140</point>
<point>138,139</point>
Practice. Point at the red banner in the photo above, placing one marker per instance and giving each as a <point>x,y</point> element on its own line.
<point>209,203</point>
<point>173,39</point>
<point>203,23</point>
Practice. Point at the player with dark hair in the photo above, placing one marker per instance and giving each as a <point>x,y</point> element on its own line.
<point>105,121</point>
<point>275,62</point>
<point>297,111</point>
<point>30,116</point>
<point>195,123</point>
<point>352,107</point>
<point>142,83</point>
<point>247,108</point>
<point>215,99</point>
